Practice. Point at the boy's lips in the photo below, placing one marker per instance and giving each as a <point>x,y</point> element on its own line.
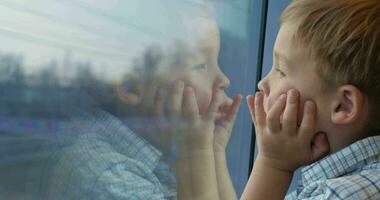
<point>223,109</point>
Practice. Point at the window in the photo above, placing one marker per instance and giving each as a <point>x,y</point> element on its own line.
<point>79,79</point>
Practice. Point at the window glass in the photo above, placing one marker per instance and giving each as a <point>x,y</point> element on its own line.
<point>125,99</point>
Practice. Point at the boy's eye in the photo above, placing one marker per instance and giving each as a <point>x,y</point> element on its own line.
<point>198,66</point>
<point>282,74</point>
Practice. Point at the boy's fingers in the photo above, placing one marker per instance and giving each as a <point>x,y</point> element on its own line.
<point>260,115</point>
<point>289,120</point>
<point>273,118</point>
<point>233,110</point>
<point>158,102</point>
<point>251,106</point>
<point>190,106</point>
<point>308,121</point>
<point>175,99</point>
<point>216,102</point>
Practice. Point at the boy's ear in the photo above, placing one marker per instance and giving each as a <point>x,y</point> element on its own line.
<point>348,105</point>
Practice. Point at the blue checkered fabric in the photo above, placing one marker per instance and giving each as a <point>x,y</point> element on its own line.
<point>351,173</point>
<point>108,161</point>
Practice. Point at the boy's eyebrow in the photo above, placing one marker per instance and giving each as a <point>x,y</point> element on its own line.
<point>278,55</point>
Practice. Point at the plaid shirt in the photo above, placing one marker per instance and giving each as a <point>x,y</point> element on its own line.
<point>351,173</point>
<point>108,161</point>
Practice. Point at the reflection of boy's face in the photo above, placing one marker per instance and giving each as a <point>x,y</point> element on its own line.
<point>202,71</point>
<point>292,69</point>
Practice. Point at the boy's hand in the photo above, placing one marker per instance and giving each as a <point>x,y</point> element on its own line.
<point>282,144</point>
<point>224,125</point>
<point>192,130</point>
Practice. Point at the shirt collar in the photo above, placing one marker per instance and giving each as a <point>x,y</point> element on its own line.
<point>347,160</point>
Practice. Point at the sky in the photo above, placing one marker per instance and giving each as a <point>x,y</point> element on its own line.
<point>108,34</point>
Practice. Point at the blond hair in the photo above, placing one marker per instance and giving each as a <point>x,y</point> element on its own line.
<point>343,37</point>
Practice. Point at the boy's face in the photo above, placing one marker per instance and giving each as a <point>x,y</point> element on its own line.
<point>197,67</point>
<point>204,74</point>
<point>201,70</point>
<point>293,69</point>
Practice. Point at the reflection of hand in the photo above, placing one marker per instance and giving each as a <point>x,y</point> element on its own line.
<point>196,173</point>
<point>282,144</point>
<point>224,125</point>
<point>192,130</point>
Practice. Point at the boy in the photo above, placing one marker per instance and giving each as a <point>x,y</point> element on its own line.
<point>321,97</point>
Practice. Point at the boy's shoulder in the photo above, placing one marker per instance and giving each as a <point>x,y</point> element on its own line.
<point>362,185</point>
<point>351,173</point>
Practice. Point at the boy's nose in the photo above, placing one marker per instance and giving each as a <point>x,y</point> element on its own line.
<point>223,82</point>
<point>263,86</point>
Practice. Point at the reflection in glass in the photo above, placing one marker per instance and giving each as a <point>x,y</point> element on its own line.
<point>90,108</point>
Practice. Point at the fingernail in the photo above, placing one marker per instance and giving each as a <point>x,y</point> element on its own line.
<point>309,104</point>
<point>259,94</point>
<point>292,92</point>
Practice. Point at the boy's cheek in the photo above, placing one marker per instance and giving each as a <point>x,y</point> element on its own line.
<point>301,109</point>
<point>204,102</point>
<point>268,103</point>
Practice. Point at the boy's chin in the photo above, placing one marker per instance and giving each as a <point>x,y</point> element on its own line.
<point>222,112</point>
<point>220,115</point>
